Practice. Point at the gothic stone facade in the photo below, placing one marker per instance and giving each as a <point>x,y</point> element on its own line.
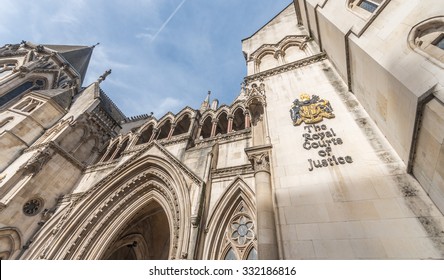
<point>332,150</point>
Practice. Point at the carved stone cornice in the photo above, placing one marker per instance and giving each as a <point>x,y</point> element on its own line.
<point>259,157</point>
<point>286,67</point>
<point>175,140</point>
<point>101,166</point>
<point>232,171</point>
<point>224,138</point>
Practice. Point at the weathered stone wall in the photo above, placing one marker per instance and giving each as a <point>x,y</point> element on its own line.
<point>361,203</point>
<point>428,165</point>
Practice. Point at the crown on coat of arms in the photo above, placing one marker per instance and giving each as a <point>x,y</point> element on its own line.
<point>310,109</point>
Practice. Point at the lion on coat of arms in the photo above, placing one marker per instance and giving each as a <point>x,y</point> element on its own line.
<point>310,110</point>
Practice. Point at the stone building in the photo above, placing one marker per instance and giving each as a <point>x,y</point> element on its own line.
<point>333,148</point>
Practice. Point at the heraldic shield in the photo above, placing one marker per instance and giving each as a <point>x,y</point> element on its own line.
<point>310,110</point>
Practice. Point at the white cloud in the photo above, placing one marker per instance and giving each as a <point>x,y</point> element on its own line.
<point>168,104</point>
<point>65,18</point>
<point>188,58</point>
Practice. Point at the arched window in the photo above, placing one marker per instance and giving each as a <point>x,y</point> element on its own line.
<point>101,154</point>
<point>146,135</point>
<point>205,131</point>
<point>122,148</point>
<point>164,130</point>
<point>241,235</point>
<point>73,138</point>
<point>24,87</point>
<point>182,126</point>
<point>364,7</point>
<point>85,151</point>
<point>231,225</point>
<point>110,152</point>
<point>222,124</point>
<point>427,38</point>
<point>252,255</point>
<point>28,105</point>
<point>238,120</point>
<point>231,255</point>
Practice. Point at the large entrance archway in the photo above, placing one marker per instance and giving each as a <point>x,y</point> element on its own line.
<point>145,237</point>
<point>142,210</point>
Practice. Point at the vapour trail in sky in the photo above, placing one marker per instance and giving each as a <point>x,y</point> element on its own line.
<point>167,21</point>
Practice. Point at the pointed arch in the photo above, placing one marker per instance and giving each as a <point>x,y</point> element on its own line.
<point>109,153</point>
<point>182,124</point>
<point>85,151</point>
<point>251,253</point>
<point>146,134</point>
<point>292,43</point>
<point>235,203</point>
<point>10,242</point>
<point>102,151</point>
<point>222,123</point>
<point>72,138</point>
<point>90,224</point>
<point>184,111</point>
<point>229,254</point>
<point>169,116</point>
<point>164,129</point>
<point>294,49</point>
<point>263,51</point>
<point>206,127</point>
<point>238,119</point>
<point>122,146</point>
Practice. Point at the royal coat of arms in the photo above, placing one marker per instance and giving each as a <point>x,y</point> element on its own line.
<point>310,110</point>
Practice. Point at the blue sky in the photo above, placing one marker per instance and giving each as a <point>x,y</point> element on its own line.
<point>164,54</point>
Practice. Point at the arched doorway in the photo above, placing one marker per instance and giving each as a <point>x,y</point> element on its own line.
<point>145,237</point>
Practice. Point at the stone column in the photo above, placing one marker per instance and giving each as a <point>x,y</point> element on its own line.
<point>230,123</point>
<point>247,119</point>
<point>154,134</point>
<point>173,126</point>
<point>279,56</point>
<point>199,131</point>
<point>266,226</point>
<point>213,128</point>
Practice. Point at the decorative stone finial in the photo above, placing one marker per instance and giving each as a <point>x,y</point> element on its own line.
<point>207,99</point>
<point>205,104</point>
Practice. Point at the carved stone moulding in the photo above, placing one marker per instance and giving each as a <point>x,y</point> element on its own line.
<point>259,157</point>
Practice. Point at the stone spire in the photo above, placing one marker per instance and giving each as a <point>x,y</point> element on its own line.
<point>206,103</point>
<point>77,56</point>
